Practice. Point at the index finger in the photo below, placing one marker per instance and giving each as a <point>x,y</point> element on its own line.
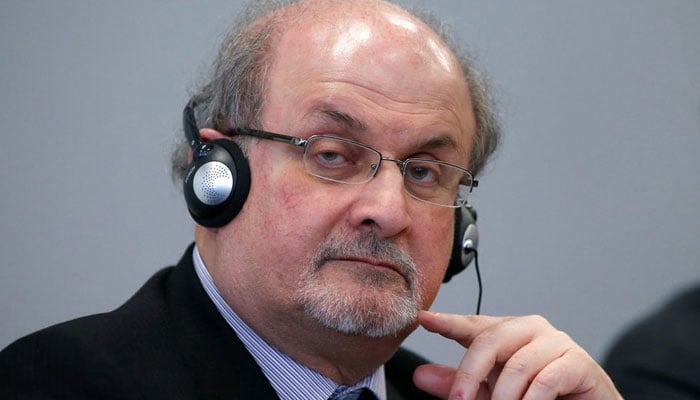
<point>462,328</point>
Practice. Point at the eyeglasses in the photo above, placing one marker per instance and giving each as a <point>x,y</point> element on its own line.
<point>342,160</point>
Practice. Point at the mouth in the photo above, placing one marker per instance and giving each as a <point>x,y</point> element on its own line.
<point>369,259</point>
<point>357,262</point>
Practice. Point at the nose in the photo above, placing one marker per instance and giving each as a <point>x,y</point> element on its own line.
<point>382,205</point>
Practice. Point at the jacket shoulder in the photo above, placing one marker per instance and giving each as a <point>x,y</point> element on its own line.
<point>91,357</point>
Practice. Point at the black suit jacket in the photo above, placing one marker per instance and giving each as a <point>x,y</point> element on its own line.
<point>168,341</point>
<point>659,357</point>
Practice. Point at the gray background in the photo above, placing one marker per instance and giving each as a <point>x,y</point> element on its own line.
<point>588,214</point>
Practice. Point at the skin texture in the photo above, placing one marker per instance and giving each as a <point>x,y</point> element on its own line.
<point>368,71</point>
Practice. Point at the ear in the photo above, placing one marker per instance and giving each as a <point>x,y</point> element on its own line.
<point>208,134</point>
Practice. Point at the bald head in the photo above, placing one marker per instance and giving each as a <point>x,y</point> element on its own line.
<point>342,30</point>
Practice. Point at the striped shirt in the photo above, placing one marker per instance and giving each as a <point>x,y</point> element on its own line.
<point>291,380</point>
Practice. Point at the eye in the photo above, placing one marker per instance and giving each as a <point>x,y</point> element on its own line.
<point>330,154</point>
<point>337,159</point>
<point>423,173</point>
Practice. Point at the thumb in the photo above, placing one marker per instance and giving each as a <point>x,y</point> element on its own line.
<point>434,379</point>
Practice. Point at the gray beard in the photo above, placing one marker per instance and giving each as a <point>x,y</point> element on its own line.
<point>375,313</point>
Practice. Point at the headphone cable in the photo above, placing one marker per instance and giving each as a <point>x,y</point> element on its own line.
<point>478,280</point>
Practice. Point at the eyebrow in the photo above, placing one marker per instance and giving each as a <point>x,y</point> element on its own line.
<point>346,120</point>
<point>353,124</point>
<point>439,141</point>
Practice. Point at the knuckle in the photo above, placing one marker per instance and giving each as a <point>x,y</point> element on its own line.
<point>516,366</point>
<point>466,375</point>
<point>581,356</point>
<point>547,381</point>
<point>472,320</point>
<point>538,320</point>
<point>486,339</point>
<point>562,336</point>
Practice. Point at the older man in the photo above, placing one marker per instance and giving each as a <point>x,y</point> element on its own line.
<point>345,135</point>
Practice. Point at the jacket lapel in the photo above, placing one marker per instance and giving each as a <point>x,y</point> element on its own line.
<point>222,367</point>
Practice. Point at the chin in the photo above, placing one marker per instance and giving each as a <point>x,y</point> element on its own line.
<point>369,311</point>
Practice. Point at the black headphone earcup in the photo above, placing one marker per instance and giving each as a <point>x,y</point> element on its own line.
<point>466,240</point>
<point>217,183</point>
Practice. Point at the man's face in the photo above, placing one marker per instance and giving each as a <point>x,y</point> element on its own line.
<point>358,258</point>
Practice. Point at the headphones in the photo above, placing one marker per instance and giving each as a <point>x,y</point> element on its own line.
<point>217,183</point>
<point>465,242</point>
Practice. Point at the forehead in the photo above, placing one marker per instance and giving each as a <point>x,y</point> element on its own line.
<point>371,61</point>
<point>373,35</point>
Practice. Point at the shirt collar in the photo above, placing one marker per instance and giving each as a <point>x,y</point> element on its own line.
<point>290,379</point>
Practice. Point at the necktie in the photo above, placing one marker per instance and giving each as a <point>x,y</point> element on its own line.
<point>356,394</point>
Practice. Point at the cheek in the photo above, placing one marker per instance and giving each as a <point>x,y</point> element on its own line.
<point>292,206</point>
<point>288,215</point>
<point>278,218</point>
<point>277,241</point>
<point>276,191</point>
<point>435,255</point>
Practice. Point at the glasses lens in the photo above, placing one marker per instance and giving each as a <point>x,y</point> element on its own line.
<point>340,160</point>
<point>437,182</point>
<point>345,161</point>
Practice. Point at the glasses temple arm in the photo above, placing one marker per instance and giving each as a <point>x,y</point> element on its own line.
<point>268,135</point>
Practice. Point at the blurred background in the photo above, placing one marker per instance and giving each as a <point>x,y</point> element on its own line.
<point>588,215</point>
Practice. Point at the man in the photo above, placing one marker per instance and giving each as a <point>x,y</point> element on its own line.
<point>329,241</point>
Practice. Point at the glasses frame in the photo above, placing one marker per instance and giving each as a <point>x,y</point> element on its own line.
<point>299,142</point>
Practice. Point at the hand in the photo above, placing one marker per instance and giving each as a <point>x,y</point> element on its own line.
<point>511,358</point>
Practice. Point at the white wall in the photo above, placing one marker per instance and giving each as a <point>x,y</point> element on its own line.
<point>589,215</point>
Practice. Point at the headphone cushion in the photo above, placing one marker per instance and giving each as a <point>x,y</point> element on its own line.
<point>465,229</point>
<point>217,183</point>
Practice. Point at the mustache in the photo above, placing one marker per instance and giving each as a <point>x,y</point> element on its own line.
<point>366,245</point>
